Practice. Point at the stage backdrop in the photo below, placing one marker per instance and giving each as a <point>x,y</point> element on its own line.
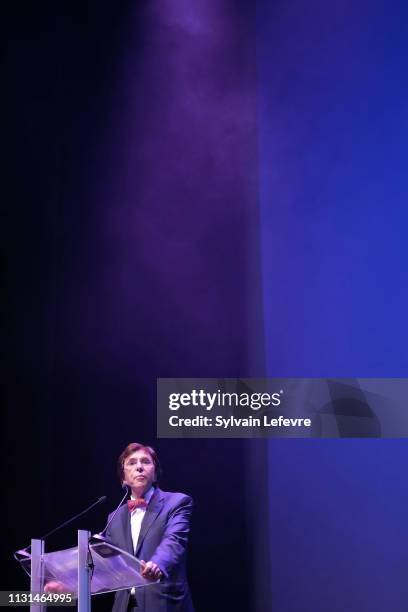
<point>333,100</point>
<point>132,251</point>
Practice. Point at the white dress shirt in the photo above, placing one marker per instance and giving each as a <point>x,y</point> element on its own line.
<point>136,519</point>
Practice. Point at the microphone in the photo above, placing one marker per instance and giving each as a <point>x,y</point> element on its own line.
<point>24,552</point>
<point>101,534</point>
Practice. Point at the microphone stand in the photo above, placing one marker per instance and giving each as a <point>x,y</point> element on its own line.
<point>101,535</point>
<point>24,551</point>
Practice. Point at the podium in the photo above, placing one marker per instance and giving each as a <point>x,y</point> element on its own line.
<point>92,567</point>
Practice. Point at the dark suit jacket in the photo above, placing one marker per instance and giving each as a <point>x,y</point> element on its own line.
<point>163,540</point>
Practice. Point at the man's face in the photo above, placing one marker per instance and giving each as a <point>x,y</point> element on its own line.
<point>139,472</point>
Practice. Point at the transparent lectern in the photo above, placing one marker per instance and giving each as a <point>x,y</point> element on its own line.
<point>94,566</point>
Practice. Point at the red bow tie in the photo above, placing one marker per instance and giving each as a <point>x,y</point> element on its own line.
<point>136,503</point>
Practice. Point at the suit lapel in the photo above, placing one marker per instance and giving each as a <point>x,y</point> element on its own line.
<point>152,511</point>
<point>127,532</point>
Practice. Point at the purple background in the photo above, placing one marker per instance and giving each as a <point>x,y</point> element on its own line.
<point>333,147</point>
<point>132,252</point>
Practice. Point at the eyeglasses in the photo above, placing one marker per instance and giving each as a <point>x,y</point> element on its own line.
<point>132,462</point>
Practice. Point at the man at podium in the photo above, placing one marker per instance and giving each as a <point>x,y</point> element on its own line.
<point>154,526</point>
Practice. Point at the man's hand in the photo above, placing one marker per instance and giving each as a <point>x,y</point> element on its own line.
<point>55,587</point>
<point>151,571</point>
